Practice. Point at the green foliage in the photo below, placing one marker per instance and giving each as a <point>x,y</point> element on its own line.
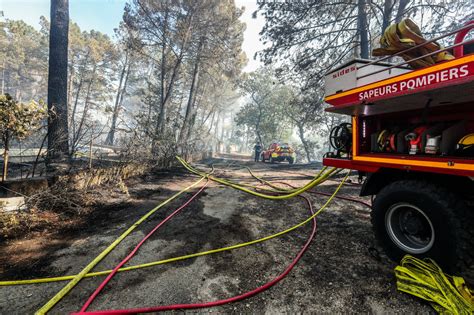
<point>18,120</point>
<point>178,60</point>
<point>23,59</point>
<point>264,113</point>
<point>193,51</point>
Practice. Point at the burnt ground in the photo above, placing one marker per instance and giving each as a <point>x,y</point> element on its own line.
<point>343,271</point>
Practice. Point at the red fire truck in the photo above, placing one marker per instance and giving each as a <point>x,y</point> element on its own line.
<point>411,137</point>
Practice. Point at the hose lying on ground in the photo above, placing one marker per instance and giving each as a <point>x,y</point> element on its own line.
<point>104,253</point>
<point>292,194</point>
<point>275,189</point>
<point>279,189</point>
<point>155,263</point>
<point>426,280</point>
<point>81,275</point>
<point>293,188</point>
<point>134,251</point>
<point>242,296</point>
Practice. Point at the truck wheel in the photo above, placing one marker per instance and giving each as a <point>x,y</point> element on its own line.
<point>421,219</point>
<point>272,160</point>
<point>291,161</point>
<point>263,158</point>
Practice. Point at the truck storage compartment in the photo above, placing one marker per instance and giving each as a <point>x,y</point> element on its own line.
<point>428,133</point>
<point>356,73</point>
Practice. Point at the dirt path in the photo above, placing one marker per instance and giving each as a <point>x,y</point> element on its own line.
<point>343,270</point>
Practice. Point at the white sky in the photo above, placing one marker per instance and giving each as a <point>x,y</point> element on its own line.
<point>252,42</point>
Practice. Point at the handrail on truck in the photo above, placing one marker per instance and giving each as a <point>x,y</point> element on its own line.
<point>417,58</point>
<point>458,49</point>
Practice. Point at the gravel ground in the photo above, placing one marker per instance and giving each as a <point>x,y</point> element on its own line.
<point>343,271</point>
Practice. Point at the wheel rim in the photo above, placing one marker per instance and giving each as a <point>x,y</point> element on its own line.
<point>409,228</point>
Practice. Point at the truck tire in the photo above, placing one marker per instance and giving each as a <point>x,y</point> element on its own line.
<point>421,219</point>
<point>291,161</point>
<point>271,160</point>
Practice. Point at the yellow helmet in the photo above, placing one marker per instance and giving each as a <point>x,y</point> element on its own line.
<point>465,146</point>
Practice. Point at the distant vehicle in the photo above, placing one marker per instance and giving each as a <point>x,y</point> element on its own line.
<point>278,153</point>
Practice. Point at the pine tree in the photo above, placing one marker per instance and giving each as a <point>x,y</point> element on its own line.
<point>58,138</point>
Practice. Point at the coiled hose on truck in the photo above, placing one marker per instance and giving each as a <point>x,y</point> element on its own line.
<point>405,35</point>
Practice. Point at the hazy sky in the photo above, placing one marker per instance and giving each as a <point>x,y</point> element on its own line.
<point>252,43</point>
<point>105,15</point>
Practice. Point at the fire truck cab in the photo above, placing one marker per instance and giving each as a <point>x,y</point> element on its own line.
<point>411,136</point>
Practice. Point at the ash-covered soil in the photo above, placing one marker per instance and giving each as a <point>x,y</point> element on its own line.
<point>343,271</point>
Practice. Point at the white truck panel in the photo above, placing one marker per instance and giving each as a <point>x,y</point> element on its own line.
<point>347,77</point>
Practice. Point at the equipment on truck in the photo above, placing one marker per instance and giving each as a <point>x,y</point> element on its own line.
<point>432,145</point>
<point>383,140</point>
<point>415,139</point>
<point>340,138</point>
<point>412,134</point>
<point>386,141</point>
<point>399,37</point>
<point>465,146</point>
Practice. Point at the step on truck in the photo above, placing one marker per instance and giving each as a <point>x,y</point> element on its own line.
<point>410,136</point>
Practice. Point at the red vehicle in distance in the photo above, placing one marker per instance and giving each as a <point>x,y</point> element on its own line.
<point>278,153</point>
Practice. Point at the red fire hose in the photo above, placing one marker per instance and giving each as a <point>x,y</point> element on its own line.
<point>134,251</point>
<point>205,304</point>
<point>328,194</point>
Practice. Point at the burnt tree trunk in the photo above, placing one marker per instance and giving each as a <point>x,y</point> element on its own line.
<point>162,114</point>
<point>58,142</point>
<point>305,143</point>
<point>193,118</point>
<point>118,100</point>
<point>71,76</point>
<point>387,14</point>
<point>363,29</point>
<point>192,91</point>
<point>77,136</point>
<point>78,93</point>
<point>168,86</point>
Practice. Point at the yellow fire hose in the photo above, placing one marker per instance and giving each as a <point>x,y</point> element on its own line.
<point>404,35</point>
<point>426,280</point>
<point>75,280</point>
<point>280,189</point>
<point>165,261</point>
<point>91,265</point>
<point>420,278</point>
<point>277,189</point>
<point>292,194</point>
<point>85,272</point>
<point>270,184</point>
<point>423,279</point>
